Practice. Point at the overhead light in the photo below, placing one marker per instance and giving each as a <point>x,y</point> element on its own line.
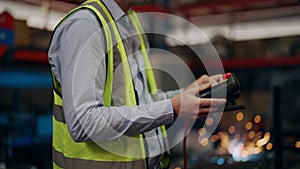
<point>252,30</point>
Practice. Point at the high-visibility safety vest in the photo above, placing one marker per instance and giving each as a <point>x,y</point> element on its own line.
<point>73,155</point>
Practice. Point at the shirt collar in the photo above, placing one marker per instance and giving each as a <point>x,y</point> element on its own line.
<point>114,9</point>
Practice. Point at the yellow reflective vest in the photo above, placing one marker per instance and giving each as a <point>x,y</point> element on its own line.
<point>73,155</point>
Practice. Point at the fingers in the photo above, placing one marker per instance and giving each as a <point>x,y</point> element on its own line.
<point>199,82</point>
<point>199,115</point>
<point>188,105</point>
<point>216,79</point>
<point>206,110</point>
<point>198,88</point>
<point>203,79</point>
<point>205,82</point>
<point>211,102</point>
<point>208,105</point>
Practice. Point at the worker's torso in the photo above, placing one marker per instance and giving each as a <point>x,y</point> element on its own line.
<point>137,67</point>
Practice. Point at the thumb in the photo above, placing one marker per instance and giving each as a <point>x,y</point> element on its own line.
<point>203,79</point>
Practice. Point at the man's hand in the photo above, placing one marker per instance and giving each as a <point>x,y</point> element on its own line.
<point>187,105</point>
<point>213,80</point>
<point>216,79</point>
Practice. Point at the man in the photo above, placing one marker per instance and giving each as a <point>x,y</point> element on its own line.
<point>105,114</point>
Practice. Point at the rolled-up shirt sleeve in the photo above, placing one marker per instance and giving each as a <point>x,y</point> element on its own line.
<point>79,63</point>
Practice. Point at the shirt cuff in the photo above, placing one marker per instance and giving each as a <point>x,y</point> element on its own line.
<point>164,107</point>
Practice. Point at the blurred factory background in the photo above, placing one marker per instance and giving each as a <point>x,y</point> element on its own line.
<point>258,40</point>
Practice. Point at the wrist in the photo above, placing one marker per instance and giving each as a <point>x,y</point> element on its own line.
<point>176,110</point>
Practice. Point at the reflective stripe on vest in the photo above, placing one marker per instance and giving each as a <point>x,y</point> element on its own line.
<point>165,162</point>
<point>129,95</point>
<point>62,141</point>
<point>69,154</point>
<point>88,164</point>
<point>149,72</point>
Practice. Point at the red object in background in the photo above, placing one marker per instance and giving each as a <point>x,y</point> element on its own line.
<point>150,8</point>
<point>31,56</point>
<point>6,29</point>
<point>3,49</point>
<point>6,21</point>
